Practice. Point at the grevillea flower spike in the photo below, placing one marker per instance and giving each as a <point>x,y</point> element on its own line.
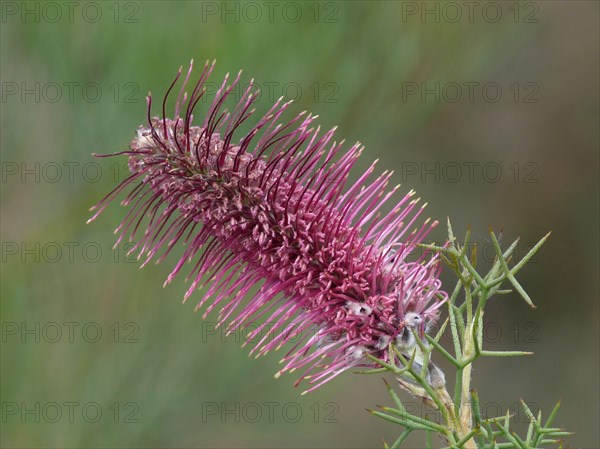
<point>269,212</point>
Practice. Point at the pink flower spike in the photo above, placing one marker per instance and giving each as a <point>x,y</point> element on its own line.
<point>269,209</point>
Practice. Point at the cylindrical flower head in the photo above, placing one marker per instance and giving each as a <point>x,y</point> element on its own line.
<point>273,234</point>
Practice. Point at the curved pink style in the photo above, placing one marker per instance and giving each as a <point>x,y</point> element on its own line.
<point>268,214</point>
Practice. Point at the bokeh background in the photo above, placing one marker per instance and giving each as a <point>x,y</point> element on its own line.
<point>525,143</point>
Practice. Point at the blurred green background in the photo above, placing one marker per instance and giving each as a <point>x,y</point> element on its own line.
<point>73,83</point>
